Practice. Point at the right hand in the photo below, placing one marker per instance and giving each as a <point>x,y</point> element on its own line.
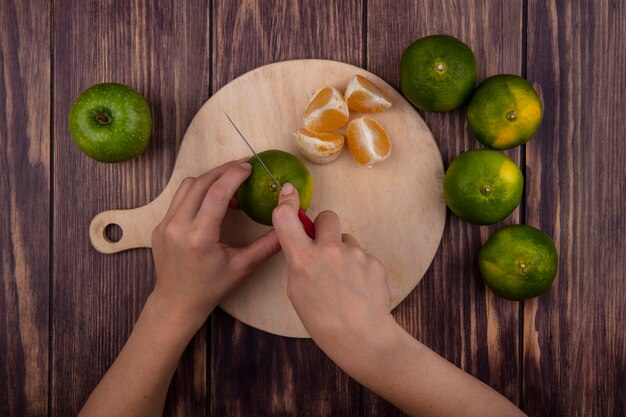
<point>340,292</point>
<point>342,297</point>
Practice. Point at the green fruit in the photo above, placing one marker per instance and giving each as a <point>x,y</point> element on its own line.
<point>483,186</point>
<point>518,262</point>
<point>258,195</point>
<point>111,122</point>
<point>438,73</point>
<point>504,112</point>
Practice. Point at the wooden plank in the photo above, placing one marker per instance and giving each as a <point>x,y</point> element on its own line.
<point>160,49</point>
<point>25,213</point>
<point>574,339</point>
<point>451,311</point>
<point>254,373</point>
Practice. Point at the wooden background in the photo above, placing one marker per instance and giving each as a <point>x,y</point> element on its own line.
<point>66,310</point>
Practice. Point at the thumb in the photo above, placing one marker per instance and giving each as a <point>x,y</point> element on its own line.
<point>258,251</point>
<point>286,223</point>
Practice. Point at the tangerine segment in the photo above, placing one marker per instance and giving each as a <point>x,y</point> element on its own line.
<point>319,148</point>
<point>364,96</point>
<point>326,111</point>
<point>368,141</point>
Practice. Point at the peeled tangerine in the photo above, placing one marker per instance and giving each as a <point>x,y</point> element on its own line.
<point>326,111</point>
<point>363,96</point>
<point>319,148</point>
<point>368,141</point>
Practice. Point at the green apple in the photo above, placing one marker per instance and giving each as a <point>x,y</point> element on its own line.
<point>111,122</point>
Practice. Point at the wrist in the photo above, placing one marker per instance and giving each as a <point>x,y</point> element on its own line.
<point>365,353</point>
<point>167,314</point>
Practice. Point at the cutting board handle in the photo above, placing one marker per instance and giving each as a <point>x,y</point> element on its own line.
<point>136,225</point>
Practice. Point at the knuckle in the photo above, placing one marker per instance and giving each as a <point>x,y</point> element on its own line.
<point>187,181</point>
<point>327,213</point>
<point>359,256</point>
<point>170,231</point>
<point>334,247</point>
<point>197,241</point>
<point>332,251</point>
<point>281,211</point>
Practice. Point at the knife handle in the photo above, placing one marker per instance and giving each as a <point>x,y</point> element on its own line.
<point>309,228</point>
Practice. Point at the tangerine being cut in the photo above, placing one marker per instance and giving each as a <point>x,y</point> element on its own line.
<point>258,195</point>
<point>326,111</point>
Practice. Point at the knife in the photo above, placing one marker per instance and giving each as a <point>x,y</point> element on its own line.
<point>307,223</point>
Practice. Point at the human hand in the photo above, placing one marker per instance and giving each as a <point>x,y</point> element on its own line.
<point>342,296</point>
<point>195,271</point>
<point>340,292</point>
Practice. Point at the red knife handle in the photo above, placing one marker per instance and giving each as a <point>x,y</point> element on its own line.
<point>309,228</point>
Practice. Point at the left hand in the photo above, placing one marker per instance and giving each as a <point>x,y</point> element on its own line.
<point>195,271</point>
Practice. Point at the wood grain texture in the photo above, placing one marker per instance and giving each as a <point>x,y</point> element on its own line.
<point>451,311</point>
<point>160,49</point>
<point>25,207</point>
<point>255,373</point>
<point>574,343</point>
<point>574,338</point>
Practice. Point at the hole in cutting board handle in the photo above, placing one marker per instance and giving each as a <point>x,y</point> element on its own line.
<point>113,233</point>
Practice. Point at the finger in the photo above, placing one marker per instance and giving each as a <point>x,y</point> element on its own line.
<point>327,227</point>
<point>218,196</point>
<point>248,258</point>
<point>195,196</point>
<point>184,187</point>
<point>348,239</point>
<point>290,233</point>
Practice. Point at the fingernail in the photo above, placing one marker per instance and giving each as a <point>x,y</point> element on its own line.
<point>246,165</point>
<point>287,189</point>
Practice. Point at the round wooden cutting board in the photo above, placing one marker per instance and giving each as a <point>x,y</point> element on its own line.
<point>395,208</point>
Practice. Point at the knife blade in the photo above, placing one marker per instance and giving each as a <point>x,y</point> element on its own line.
<point>307,223</point>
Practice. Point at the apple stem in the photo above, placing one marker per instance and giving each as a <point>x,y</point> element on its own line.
<point>103,118</point>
